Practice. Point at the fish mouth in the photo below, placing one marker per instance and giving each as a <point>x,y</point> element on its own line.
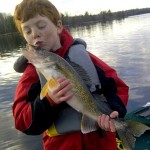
<point>36,47</point>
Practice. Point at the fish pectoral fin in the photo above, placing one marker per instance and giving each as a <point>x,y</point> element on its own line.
<point>44,91</point>
<point>88,124</point>
<point>51,85</point>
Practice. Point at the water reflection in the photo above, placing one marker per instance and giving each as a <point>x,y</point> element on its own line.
<point>11,139</point>
<point>9,43</point>
<point>124,45</point>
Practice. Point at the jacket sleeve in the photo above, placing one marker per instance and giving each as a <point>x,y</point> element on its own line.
<point>32,116</point>
<point>113,88</point>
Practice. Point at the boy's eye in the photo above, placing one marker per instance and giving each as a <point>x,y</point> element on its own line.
<point>28,31</point>
<point>41,25</point>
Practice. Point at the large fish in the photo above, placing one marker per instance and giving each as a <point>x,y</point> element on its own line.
<point>52,66</point>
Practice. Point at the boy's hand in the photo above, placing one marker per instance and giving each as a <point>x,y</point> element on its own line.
<point>105,123</point>
<point>61,93</point>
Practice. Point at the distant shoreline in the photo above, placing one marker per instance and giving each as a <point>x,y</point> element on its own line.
<point>7,25</point>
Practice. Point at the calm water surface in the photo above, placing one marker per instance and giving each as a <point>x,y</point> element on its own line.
<point>124,45</point>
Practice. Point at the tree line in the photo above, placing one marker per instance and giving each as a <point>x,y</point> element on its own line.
<point>103,16</point>
<point>7,25</point>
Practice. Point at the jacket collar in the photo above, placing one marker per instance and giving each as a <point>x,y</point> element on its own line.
<point>66,41</point>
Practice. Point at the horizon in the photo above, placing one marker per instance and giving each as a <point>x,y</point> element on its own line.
<point>9,14</point>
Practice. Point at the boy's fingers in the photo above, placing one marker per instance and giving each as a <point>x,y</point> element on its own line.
<point>112,127</point>
<point>62,85</point>
<point>64,91</point>
<point>114,114</point>
<point>66,97</point>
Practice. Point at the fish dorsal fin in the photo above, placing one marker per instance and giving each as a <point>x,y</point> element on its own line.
<point>81,72</point>
<point>88,124</point>
<point>102,104</point>
<point>51,84</point>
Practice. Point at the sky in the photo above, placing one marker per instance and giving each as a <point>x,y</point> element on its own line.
<point>76,7</point>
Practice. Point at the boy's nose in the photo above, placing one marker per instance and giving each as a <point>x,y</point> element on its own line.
<point>36,34</point>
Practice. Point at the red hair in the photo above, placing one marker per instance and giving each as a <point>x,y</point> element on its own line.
<point>28,9</point>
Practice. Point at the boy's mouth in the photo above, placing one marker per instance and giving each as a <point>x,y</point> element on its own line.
<point>39,43</point>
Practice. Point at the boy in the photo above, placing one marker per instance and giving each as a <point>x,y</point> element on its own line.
<point>40,24</point>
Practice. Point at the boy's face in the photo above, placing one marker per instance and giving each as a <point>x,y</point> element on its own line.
<point>41,31</point>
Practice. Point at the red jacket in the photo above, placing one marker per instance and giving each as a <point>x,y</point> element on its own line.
<point>33,116</point>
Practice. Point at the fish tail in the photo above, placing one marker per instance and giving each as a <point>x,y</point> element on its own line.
<point>128,131</point>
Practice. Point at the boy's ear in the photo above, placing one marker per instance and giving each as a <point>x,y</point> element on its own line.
<point>59,26</point>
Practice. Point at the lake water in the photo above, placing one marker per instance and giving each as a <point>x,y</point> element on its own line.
<point>124,45</point>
